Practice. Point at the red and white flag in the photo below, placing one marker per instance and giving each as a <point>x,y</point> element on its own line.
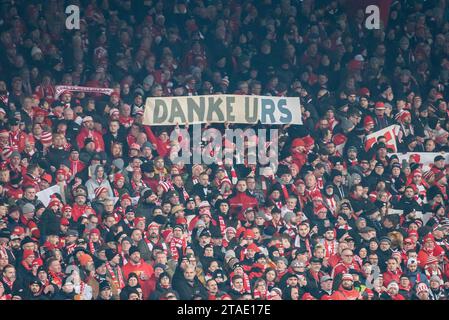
<point>389,133</point>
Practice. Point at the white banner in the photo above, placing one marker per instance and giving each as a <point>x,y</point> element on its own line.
<point>222,108</point>
<point>44,195</point>
<point>425,158</point>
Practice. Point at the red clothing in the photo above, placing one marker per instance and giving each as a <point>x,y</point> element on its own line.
<point>162,148</point>
<point>343,294</point>
<point>240,202</point>
<point>29,180</point>
<point>423,255</point>
<point>141,268</point>
<point>78,211</point>
<point>390,276</point>
<point>96,136</point>
<point>343,268</point>
<point>17,140</point>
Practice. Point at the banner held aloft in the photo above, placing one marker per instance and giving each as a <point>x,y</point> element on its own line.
<point>222,108</point>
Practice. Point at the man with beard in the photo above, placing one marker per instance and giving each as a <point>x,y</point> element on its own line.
<point>422,292</point>
<point>392,292</point>
<point>346,290</point>
<point>67,291</point>
<point>146,204</point>
<point>153,235</point>
<point>329,243</point>
<point>35,290</point>
<point>10,281</point>
<point>143,270</point>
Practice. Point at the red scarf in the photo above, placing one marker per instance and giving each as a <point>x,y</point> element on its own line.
<point>91,247</point>
<point>55,278</point>
<point>285,191</point>
<point>176,243</point>
<point>119,283</point>
<point>9,283</point>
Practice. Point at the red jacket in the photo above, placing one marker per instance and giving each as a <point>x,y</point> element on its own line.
<point>96,136</point>
<point>141,268</point>
<point>162,148</point>
<point>240,202</point>
<point>343,268</point>
<point>78,211</point>
<point>343,294</point>
<point>390,276</point>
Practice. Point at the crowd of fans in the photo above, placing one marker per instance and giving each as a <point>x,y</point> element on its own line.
<point>127,223</point>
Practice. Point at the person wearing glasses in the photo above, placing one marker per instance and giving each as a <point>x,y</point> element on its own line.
<point>347,263</point>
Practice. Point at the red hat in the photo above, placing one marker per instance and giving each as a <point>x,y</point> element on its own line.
<point>364,91</point>
<point>134,146</point>
<point>320,207</point>
<point>153,225</point>
<point>99,190</point>
<point>37,262</point>
<point>308,141</point>
<point>416,158</point>
<point>205,212</point>
<point>429,237</point>
<point>54,202</point>
<point>66,92</point>
<point>40,112</point>
<point>249,234</point>
<point>66,207</point>
<point>18,230</point>
<point>95,231</point>
<point>165,185</point>
<point>422,287</point>
<point>368,121</point>
<point>298,142</point>
<point>47,177</point>
<point>138,219</point>
<point>27,253</point>
<point>307,296</point>
<point>409,240</point>
<point>240,231</point>
<point>115,93</point>
<point>125,196</point>
<point>339,139</point>
<point>402,115</point>
<point>46,137</point>
<point>380,105</point>
<point>65,222</point>
<point>253,247</point>
<point>117,177</point>
<point>413,232</point>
